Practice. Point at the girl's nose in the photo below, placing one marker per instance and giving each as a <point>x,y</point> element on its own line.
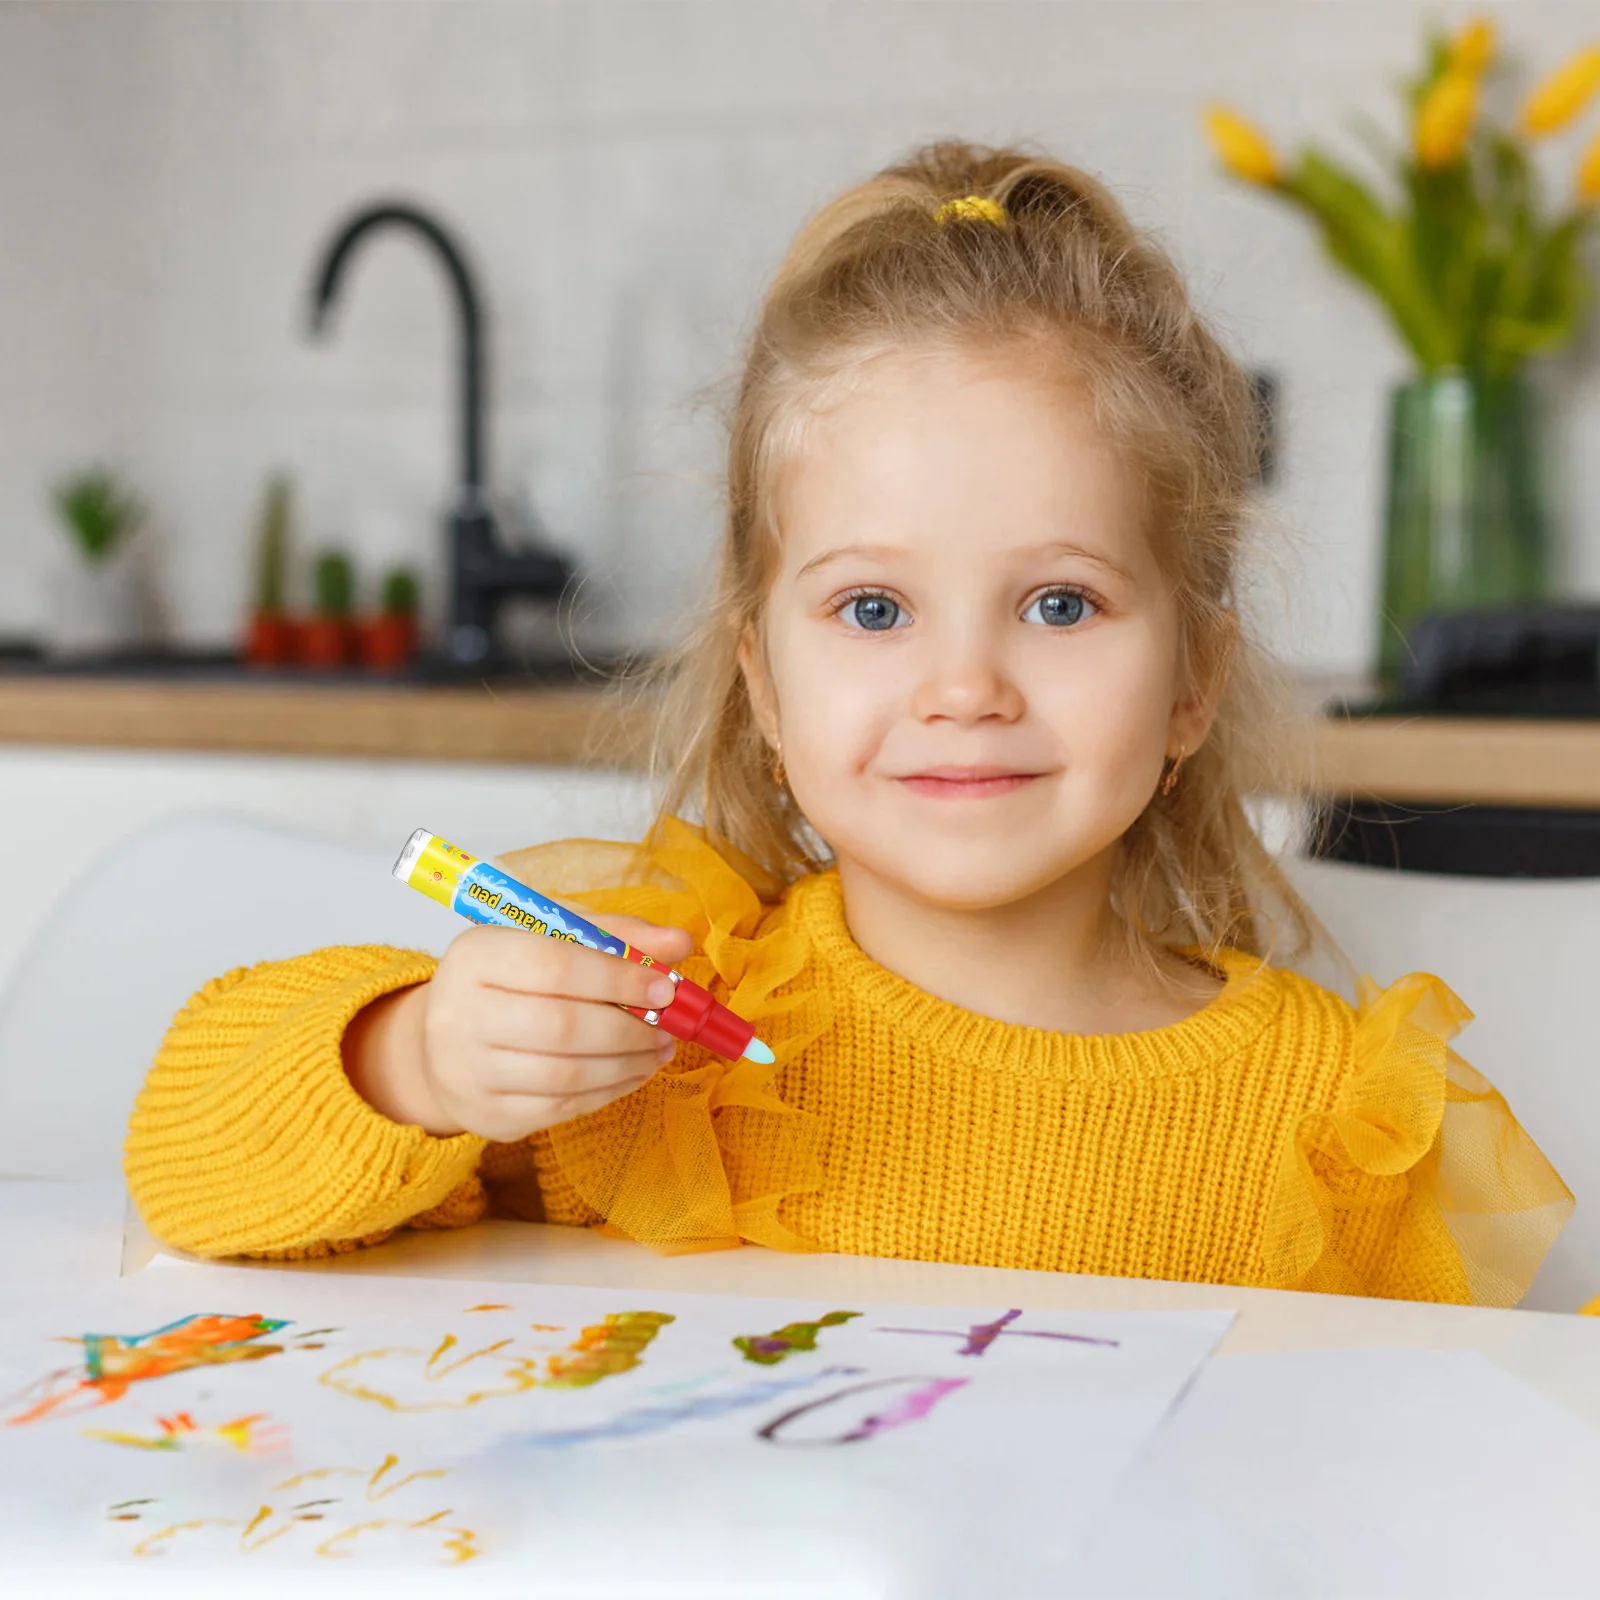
<point>965,681</point>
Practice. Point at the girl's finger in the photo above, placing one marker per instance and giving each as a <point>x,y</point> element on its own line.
<point>654,938</point>
<point>564,1078</point>
<point>509,960</point>
<point>658,939</point>
<point>553,1025</point>
<point>540,1111</point>
<point>521,1072</point>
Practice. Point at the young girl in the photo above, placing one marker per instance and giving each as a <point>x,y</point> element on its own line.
<point>967,728</point>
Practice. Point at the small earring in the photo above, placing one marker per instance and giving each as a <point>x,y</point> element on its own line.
<point>779,776</point>
<point>1170,782</point>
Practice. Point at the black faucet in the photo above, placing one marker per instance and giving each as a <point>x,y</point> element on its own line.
<point>483,573</point>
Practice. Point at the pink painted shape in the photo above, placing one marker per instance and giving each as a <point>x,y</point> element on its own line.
<point>912,1407</point>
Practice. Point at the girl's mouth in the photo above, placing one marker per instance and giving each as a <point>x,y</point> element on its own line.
<point>967,783</point>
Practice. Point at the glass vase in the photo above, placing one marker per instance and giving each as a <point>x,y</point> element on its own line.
<point>1466,522</point>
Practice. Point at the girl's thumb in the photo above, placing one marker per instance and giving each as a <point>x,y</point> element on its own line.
<point>664,943</point>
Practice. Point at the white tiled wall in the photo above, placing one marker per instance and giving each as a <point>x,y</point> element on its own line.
<point>625,175</point>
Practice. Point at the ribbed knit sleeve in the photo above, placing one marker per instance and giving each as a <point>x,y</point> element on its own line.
<point>247,1137</point>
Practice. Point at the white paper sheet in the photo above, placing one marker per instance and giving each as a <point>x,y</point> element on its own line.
<point>1372,1473</point>
<point>568,1436</point>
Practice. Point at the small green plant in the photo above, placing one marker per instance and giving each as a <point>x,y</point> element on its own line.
<point>400,592</point>
<point>98,511</point>
<point>272,545</point>
<point>335,585</point>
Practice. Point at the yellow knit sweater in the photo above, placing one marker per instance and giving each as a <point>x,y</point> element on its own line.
<point>1275,1137</point>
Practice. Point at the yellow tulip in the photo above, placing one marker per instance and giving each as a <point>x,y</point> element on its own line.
<point>1444,119</point>
<point>1588,183</point>
<point>1473,48</point>
<point>1563,94</point>
<point>1243,148</point>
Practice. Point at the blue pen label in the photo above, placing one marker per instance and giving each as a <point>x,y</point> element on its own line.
<point>487,895</point>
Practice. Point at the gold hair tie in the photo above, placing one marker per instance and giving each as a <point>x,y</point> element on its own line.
<point>972,208</point>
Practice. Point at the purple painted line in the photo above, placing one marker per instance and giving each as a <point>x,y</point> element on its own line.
<point>981,1335</point>
<point>1076,1338</point>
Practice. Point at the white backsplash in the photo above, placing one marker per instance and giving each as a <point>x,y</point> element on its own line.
<point>625,176</point>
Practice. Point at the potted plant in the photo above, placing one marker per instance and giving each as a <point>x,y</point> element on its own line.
<point>98,601</point>
<point>389,639</point>
<point>327,637</point>
<point>1480,276</point>
<point>271,638</point>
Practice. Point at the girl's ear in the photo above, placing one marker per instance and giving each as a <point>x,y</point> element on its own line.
<point>1196,708</point>
<point>758,685</point>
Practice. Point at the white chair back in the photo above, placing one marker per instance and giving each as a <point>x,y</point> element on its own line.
<point>1521,953</point>
<point>189,898</point>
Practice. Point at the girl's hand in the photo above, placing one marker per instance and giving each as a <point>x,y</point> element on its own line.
<point>515,1032</point>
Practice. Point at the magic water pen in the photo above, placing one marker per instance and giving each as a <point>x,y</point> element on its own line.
<point>483,893</point>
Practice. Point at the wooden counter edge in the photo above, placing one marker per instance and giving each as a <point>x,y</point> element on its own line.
<point>483,723</point>
<point>1457,760</point>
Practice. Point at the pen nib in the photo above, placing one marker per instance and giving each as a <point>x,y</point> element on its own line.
<point>756,1051</point>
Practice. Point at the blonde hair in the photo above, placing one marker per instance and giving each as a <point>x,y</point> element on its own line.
<point>1038,256</point>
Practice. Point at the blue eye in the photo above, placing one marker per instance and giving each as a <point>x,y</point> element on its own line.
<point>874,612</point>
<point>1059,608</point>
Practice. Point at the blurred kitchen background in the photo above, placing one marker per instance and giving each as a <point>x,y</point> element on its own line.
<point>621,177</point>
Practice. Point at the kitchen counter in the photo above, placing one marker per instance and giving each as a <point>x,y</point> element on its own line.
<point>523,724</point>
<point>1451,760</point>
<point>1488,761</point>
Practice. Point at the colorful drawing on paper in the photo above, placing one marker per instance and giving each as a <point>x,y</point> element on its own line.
<point>918,1397</point>
<point>768,1349</point>
<point>112,1363</point>
<point>698,1380</point>
<point>614,1346</point>
<point>256,1434</point>
<point>444,1377</point>
<point>433,1429</point>
<point>981,1335</point>
<point>450,1377</point>
<point>330,1512</point>
<point>384,1481</point>
<point>637,1421</point>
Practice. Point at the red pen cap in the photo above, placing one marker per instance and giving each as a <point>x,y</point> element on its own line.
<point>697,1017</point>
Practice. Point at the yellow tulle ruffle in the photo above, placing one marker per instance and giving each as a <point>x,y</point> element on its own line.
<point>702,1156</point>
<point>1419,1183</point>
